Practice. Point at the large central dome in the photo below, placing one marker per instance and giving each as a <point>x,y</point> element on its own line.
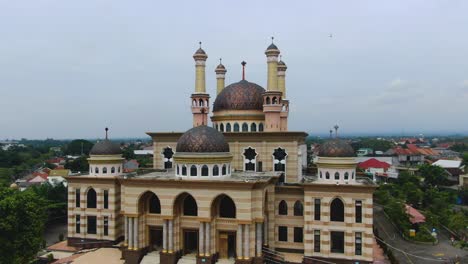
<point>242,95</point>
<point>202,139</point>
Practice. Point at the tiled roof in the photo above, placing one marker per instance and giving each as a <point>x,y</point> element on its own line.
<point>414,215</point>
<point>373,163</point>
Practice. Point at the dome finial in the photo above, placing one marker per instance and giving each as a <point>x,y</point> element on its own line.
<point>331,133</point>
<point>243,69</point>
<point>107,129</point>
<point>200,44</point>
<point>272,38</point>
<point>220,61</point>
<point>336,130</point>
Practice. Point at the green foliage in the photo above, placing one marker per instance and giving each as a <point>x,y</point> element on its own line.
<point>458,221</point>
<point>22,219</point>
<point>56,198</point>
<point>78,147</point>
<point>460,147</point>
<point>80,164</point>
<point>374,144</point>
<point>433,175</point>
<point>22,160</point>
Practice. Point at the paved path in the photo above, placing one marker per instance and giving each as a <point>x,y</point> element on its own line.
<point>440,253</point>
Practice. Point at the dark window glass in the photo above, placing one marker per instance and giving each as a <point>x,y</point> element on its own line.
<point>317,241</point>
<point>249,159</point>
<point>279,159</point>
<point>346,176</point>
<point>168,153</point>
<point>91,224</point>
<point>358,244</point>
<point>184,170</point>
<point>228,127</point>
<point>236,127</point>
<point>91,198</point>
<point>337,175</point>
<point>193,170</point>
<point>221,127</point>
<point>106,199</point>
<point>260,127</point>
<point>317,212</point>
<point>77,224</point>
<point>204,170</point>
<point>298,235</point>
<point>327,175</point>
<point>104,170</point>
<point>358,212</point>
<point>154,204</point>
<point>337,242</point>
<point>227,208</point>
<point>282,233</point>
<point>96,170</point>
<point>77,197</point>
<point>298,209</point>
<point>224,170</point>
<point>283,208</point>
<point>215,170</point>
<point>337,210</point>
<point>253,127</point>
<point>245,127</point>
<point>190,206</point>
<point>106,225</point>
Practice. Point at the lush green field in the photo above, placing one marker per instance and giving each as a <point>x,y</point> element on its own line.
<point>5,176</point>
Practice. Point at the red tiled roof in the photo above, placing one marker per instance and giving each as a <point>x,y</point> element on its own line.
<point>414,215</point>
<point>415,150</point>
<point>41,174</point>
<point>373,163</point>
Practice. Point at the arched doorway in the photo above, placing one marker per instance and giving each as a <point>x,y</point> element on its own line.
<point>185,209</point>
<point>224,207</point>
<point>150,206</point>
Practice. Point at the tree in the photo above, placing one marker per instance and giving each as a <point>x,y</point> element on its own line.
<point>458,221</point>
<point>79,164</point>
<point>22,219</point>
<point>433,175</point>
<point>79,147</point>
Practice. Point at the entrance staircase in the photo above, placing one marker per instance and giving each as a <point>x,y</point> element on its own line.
<point>188,259</point>
<point>151,258</point>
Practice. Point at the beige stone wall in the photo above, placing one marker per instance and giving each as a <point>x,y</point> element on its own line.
<point>115,222</point>
<point>290,196</point>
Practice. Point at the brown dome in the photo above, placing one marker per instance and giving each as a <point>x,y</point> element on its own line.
<point>336,148</point>
<point>202,139</point>
<point>242,95</point>
<point>105,147</point>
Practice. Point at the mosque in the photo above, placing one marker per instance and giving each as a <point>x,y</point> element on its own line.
<point>233,192</point>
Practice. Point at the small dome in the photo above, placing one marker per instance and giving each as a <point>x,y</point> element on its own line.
<point>200,51</point>
<point>336,148</point>
<point>14,186</point>
<point>281,63</point>
<point>105,147</point>
<point>241,95</point>
<point>202,139</point>
<point>272,47</point>
<point>220,69</point>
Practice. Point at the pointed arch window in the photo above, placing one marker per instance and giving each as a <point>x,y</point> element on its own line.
<point>337,175</point>
<point>215,170</point>
<point>337,210</point>
<point>221,127</point>
<point>104,170</point>
<point>184,170</point>
<point>260,127</point>
<point>298,209</point>
<point>283,208</point>
<point>253,127</point>
<point>91,198</point>
<point>154,205</point>
<point>245,127</point>
<point>193,170</point>
<point>224,169</point>
<point>236,127</point>
<point>346,176</point>
<point>204,170</point>
<point>327,175</point>
<point>113,170</point>
<point>228,127</point>
<point>190,206</point>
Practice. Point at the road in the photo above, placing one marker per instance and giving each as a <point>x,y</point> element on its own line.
<point>412,253</point>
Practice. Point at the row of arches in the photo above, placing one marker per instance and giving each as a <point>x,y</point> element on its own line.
<point>336,209</point>
<point>236,127</point>
<point>272,100</point>
<point>337,175</point>
<point>185,204</point>
<point>203,170</point>
<point>200,102</point>
<point>104,170</point>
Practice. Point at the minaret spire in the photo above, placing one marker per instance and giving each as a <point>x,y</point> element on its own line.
<point>331,133</point>
<point>336,130</point>
<point>243,69</point>
<point>107,129</point>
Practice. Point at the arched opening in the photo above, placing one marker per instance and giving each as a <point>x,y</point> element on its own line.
<point>193,170</point>
<point>253,127</point>
<point>221,127</point>
<point>167,157</point>
<point>298,209</point>
<point>224,169</point>
<point>104,170</point>
<point>260,127</point>
<point>268,101</point>
<point>236,127</point>
<point>337,210</point>
<point>249,159</point>
<point>184,170</point>
<point>274,100</point>
<point>200,102</point>
<point>204,170</point>
<point>279,159</point>
<point>337,175</point>
<point>223,206</point>
<point>245,127</point>
<point>327,175</point>
<point>91,198</point>
<point>190,207</point>
<point>149,203</point>
<point>346,176</point>
<point>194,103</point>
<point>320,174</point>
<point>228,127</point>
<point>283,208</point>
<point>215,170</point>
<point>96,170</point>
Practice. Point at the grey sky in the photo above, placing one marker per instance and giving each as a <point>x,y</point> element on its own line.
<point>70,68</point>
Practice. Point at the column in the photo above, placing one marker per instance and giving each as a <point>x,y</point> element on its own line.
<point>246,241</point>
<point>164,235</point>
<point>259,239</point>
<point>207,239</point>
<point>171,236</point>
<point>126,230</point>
<point>135,232</point>
<point>265,231</point>
<point>201,234</point>
<point>130,233</point>
<point>239,242</point>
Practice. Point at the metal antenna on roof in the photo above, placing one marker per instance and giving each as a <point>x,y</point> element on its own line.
<point>107,129</point>
<point>243,69</point>
<point>336,130</point>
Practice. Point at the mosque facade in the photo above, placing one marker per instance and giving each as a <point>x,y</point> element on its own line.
<point>236,190</point>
